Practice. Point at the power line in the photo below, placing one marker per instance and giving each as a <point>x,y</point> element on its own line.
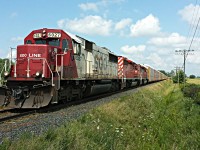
<point>193,20</point>
<point>194,34</point>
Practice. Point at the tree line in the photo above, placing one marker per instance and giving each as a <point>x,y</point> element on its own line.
<point>2,62</point>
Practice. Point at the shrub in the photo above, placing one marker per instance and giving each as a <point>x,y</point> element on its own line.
<point>179,77</point>
<point>192,76</point>
<point>192,91</point>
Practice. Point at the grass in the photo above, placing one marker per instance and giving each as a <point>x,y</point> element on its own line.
<point>192,89</point>
<point>193,81</point>
<point>156,117</point>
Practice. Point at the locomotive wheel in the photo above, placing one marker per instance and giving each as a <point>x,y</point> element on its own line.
<point>113,87</point>
<point>80,95</point>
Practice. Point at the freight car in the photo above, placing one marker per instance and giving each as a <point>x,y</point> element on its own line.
<point>154,75</point>
<point>53,65</point>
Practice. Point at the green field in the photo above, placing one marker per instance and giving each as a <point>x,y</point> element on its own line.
<point>156,117</point>
<point>193,81</point>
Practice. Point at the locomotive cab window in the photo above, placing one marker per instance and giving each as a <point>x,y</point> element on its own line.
<point>126,62</point>
<point>77,48</point>
<point>65,45</point>
<point>28,42</point>
<point>40,42</point>
<point>113,58</point>
<point>54,42</point>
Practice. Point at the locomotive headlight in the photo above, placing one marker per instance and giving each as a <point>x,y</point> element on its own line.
<point>38,74</point>
<point>6,74</point>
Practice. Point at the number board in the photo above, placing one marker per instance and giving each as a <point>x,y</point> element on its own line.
<point>54,35</point>
<point>37,35</point>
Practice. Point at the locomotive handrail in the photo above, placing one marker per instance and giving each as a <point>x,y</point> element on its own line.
<point>44,60</point>
<point>61,67</point>
<point>61,63</point>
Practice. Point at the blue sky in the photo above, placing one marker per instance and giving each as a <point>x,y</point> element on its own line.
<point>146,31</point>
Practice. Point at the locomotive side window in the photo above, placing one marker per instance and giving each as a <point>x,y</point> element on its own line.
<point>65,45</point>
<point>77,48</point>
<point>125,62</point>
<point>136,68</point>
<point>28,42</point>
<point>113,58</point>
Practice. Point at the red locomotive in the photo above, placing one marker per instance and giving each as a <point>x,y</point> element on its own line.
<point>54,66</point>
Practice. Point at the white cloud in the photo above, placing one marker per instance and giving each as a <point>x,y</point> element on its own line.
<point>173,40</point>
<point>170,42</point>
<point>193,58</point>
<point>97,5</point>
<point>190,13</point>
<point>156,61</point>
<point>92,25</point>
<point>148,26</point>
<point>17,39</point>
<point>89,6</point>
<point>133,49</point>
<point>111,1</point>
<point>123,23</point>
<point>61,23</point>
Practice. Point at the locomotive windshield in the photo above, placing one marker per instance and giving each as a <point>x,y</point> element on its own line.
<point>52,42</point>
<point>40,42</point>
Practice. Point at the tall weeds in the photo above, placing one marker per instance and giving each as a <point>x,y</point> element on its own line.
<point>156,117</point>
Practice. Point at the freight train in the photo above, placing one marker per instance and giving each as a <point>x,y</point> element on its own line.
<point>53,65</point>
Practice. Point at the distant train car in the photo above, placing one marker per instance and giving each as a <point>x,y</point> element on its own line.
<point>154,75</point>
<point>144,74</point>
<point>129,72</point>
<point>150,74</point>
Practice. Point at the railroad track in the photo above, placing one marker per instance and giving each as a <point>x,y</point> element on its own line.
<point>15,116</point>
<point>18,113</point>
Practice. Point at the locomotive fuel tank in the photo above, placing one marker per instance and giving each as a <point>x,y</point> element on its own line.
<point>100,86</point>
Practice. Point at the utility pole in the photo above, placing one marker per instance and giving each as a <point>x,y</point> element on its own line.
<point>177,72</point>
<point>184,53</point>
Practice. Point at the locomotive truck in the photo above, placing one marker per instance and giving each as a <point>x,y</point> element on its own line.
<point>53,65</point>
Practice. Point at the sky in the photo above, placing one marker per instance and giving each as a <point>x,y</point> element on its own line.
<point>145,31</point>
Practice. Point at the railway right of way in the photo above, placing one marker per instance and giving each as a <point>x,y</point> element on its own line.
<point>39,121</point>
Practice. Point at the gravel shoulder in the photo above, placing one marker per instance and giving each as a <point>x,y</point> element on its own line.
<point>41,122</point>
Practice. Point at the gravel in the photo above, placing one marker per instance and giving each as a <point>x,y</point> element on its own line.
<point>41,122</point>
